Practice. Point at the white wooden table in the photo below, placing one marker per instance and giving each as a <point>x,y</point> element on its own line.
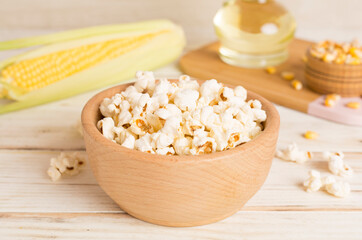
<point>33,207</point>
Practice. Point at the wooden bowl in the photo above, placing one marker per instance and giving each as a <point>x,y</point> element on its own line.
<point>325,78</point>
<point>179,190</point>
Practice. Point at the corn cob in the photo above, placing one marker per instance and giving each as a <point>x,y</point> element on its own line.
<point>64,69</point>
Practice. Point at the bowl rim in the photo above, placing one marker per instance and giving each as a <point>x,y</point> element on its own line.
<point>91,111</point>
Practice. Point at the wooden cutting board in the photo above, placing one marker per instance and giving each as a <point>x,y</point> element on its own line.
<point>204,63</point>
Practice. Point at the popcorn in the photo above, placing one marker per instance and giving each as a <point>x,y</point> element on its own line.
<point>336,188</point>
<point>163,117</point>
<point>140,126</point>
<point>210,88</point>
<point>165,151</point>
<point>226,94</point>
<point>336,164</point>
<point>182,145</point>
<point>293,154</point>
<point>186,99</point>
<point>65,164</point>
<point>240,92</point>
<point>314,182</point>
<point>339,189</point>
<point>145,81</point>
<point>172,126</point>
<point>202,143</point>
<point>125,137</point>
<point>110,106</point>
<point>144,144</point>
<point>161,140</point>
<point>106,125</point>
<point>186,83</point>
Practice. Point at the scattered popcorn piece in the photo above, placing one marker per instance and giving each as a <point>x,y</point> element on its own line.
<point>339,189</point>
<point>353,105</point>
<point>314,182</point>
<point>65,164</point>
<point>164,117</point>
<point>293,154</point>
<point>288,75</point>
<point>271,70</point>
<point>305,58</point>
<point>297,85</point>
<point>336,164</point>
<point>327,155</point>
<point>311,135</point>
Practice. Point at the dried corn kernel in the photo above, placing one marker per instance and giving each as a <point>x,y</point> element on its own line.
<point>333,96</point>
<point>353,105</point>
<point>331,52</point>
<point>297,85</point>
<point>288,75</point>
<point>329,102</point>
<point>271,70</point>
<point>311,135</point>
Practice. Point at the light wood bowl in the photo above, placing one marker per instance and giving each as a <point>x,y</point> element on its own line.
<point>325,78</point>
<point>179,190</point>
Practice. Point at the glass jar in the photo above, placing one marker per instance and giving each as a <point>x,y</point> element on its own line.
<point>254,33</point>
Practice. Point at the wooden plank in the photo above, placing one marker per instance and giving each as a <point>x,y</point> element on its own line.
<point>243,225</point>
<point>205,63</point>
<point>25,187</point>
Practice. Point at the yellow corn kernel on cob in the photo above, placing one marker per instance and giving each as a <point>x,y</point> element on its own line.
<point>38,72</point>
<point>288,75</point>
<point>353,105</point>
<point>89,60</point>
<point>311,135</point>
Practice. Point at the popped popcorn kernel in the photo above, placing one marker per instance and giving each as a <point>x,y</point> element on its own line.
<point>65,164</point>
<point>271,70</point>
<point>288,75</point>
<point>183,117</point>
<point>293,154</point>
<point>297,85</point>
<point>311,135</point>
<point>335,188</point>
<point>353,105</point>
<point>314,182</point>
<point>336,164</point>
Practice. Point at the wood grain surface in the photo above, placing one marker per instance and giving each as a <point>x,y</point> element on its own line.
<point>204,63</point>
<point>33,207</point>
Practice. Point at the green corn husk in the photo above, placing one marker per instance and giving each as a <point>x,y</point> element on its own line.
<point>158,51</point>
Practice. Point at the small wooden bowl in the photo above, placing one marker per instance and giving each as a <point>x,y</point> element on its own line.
<point>325,78</point>
<point>179,190</point>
